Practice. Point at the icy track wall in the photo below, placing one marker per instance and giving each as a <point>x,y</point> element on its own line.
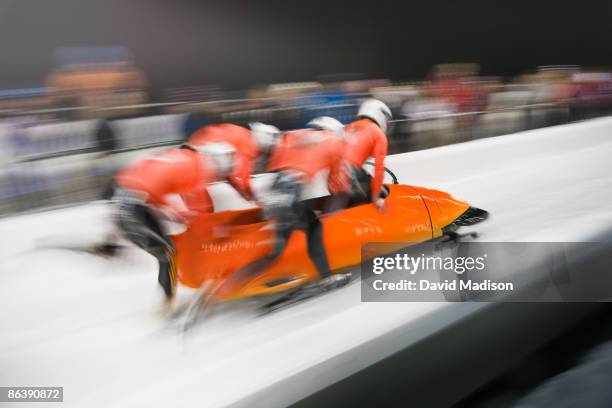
<point>78,321</point>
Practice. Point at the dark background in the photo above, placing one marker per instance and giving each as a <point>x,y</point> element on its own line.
<point>238,44</point>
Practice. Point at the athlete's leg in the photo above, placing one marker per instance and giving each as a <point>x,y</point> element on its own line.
<point>162,248</point>
<point>281,210</point>
<point>316,248</point>
<point>253,269</point>
<point>360,186</point>
<point>141,227</point>
<point>318,255</point>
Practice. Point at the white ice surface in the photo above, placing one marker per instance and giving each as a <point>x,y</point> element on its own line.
<point>94,325</point>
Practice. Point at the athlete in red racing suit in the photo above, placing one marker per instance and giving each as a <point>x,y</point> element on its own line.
<point>249,145</point>
<point>298,157</point>
<point>366,138</point>
<point>143,190</point>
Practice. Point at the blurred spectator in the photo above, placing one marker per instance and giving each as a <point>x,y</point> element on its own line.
<point>98,80</point>
<point>20,140</point>
<point>454,104</point>
<point>105,137</point>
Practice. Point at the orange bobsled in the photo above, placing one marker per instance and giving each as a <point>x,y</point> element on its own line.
<point>218,244</point>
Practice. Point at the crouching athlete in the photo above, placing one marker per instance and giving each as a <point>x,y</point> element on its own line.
<point>366,138</point>
<point>143,197</point>
<point>297,158</point>
<point>250,144</point>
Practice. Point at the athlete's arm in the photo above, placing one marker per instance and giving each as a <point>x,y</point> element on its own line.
<point>380,152</point>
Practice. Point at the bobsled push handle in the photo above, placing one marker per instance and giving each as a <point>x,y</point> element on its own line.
<point>389,172</point>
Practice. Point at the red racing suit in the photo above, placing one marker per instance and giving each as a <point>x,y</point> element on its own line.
<point>174,171</point>
<point>366,139</point>
<point>247,151</point>
<point>307,152</point>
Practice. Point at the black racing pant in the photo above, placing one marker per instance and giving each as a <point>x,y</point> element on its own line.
<point>141,226</point>
<point>360,192</point>
<point>288,213</point>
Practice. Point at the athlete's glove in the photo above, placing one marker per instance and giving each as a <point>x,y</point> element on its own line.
<point>380,204</point>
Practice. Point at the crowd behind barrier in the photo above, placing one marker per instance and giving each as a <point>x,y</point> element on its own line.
<point>47,160</point>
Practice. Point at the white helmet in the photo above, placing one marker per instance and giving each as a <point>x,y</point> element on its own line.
<point>375,110</point>
<point>327,123</point>
<point>265,135</point>
<point>223,155</point>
